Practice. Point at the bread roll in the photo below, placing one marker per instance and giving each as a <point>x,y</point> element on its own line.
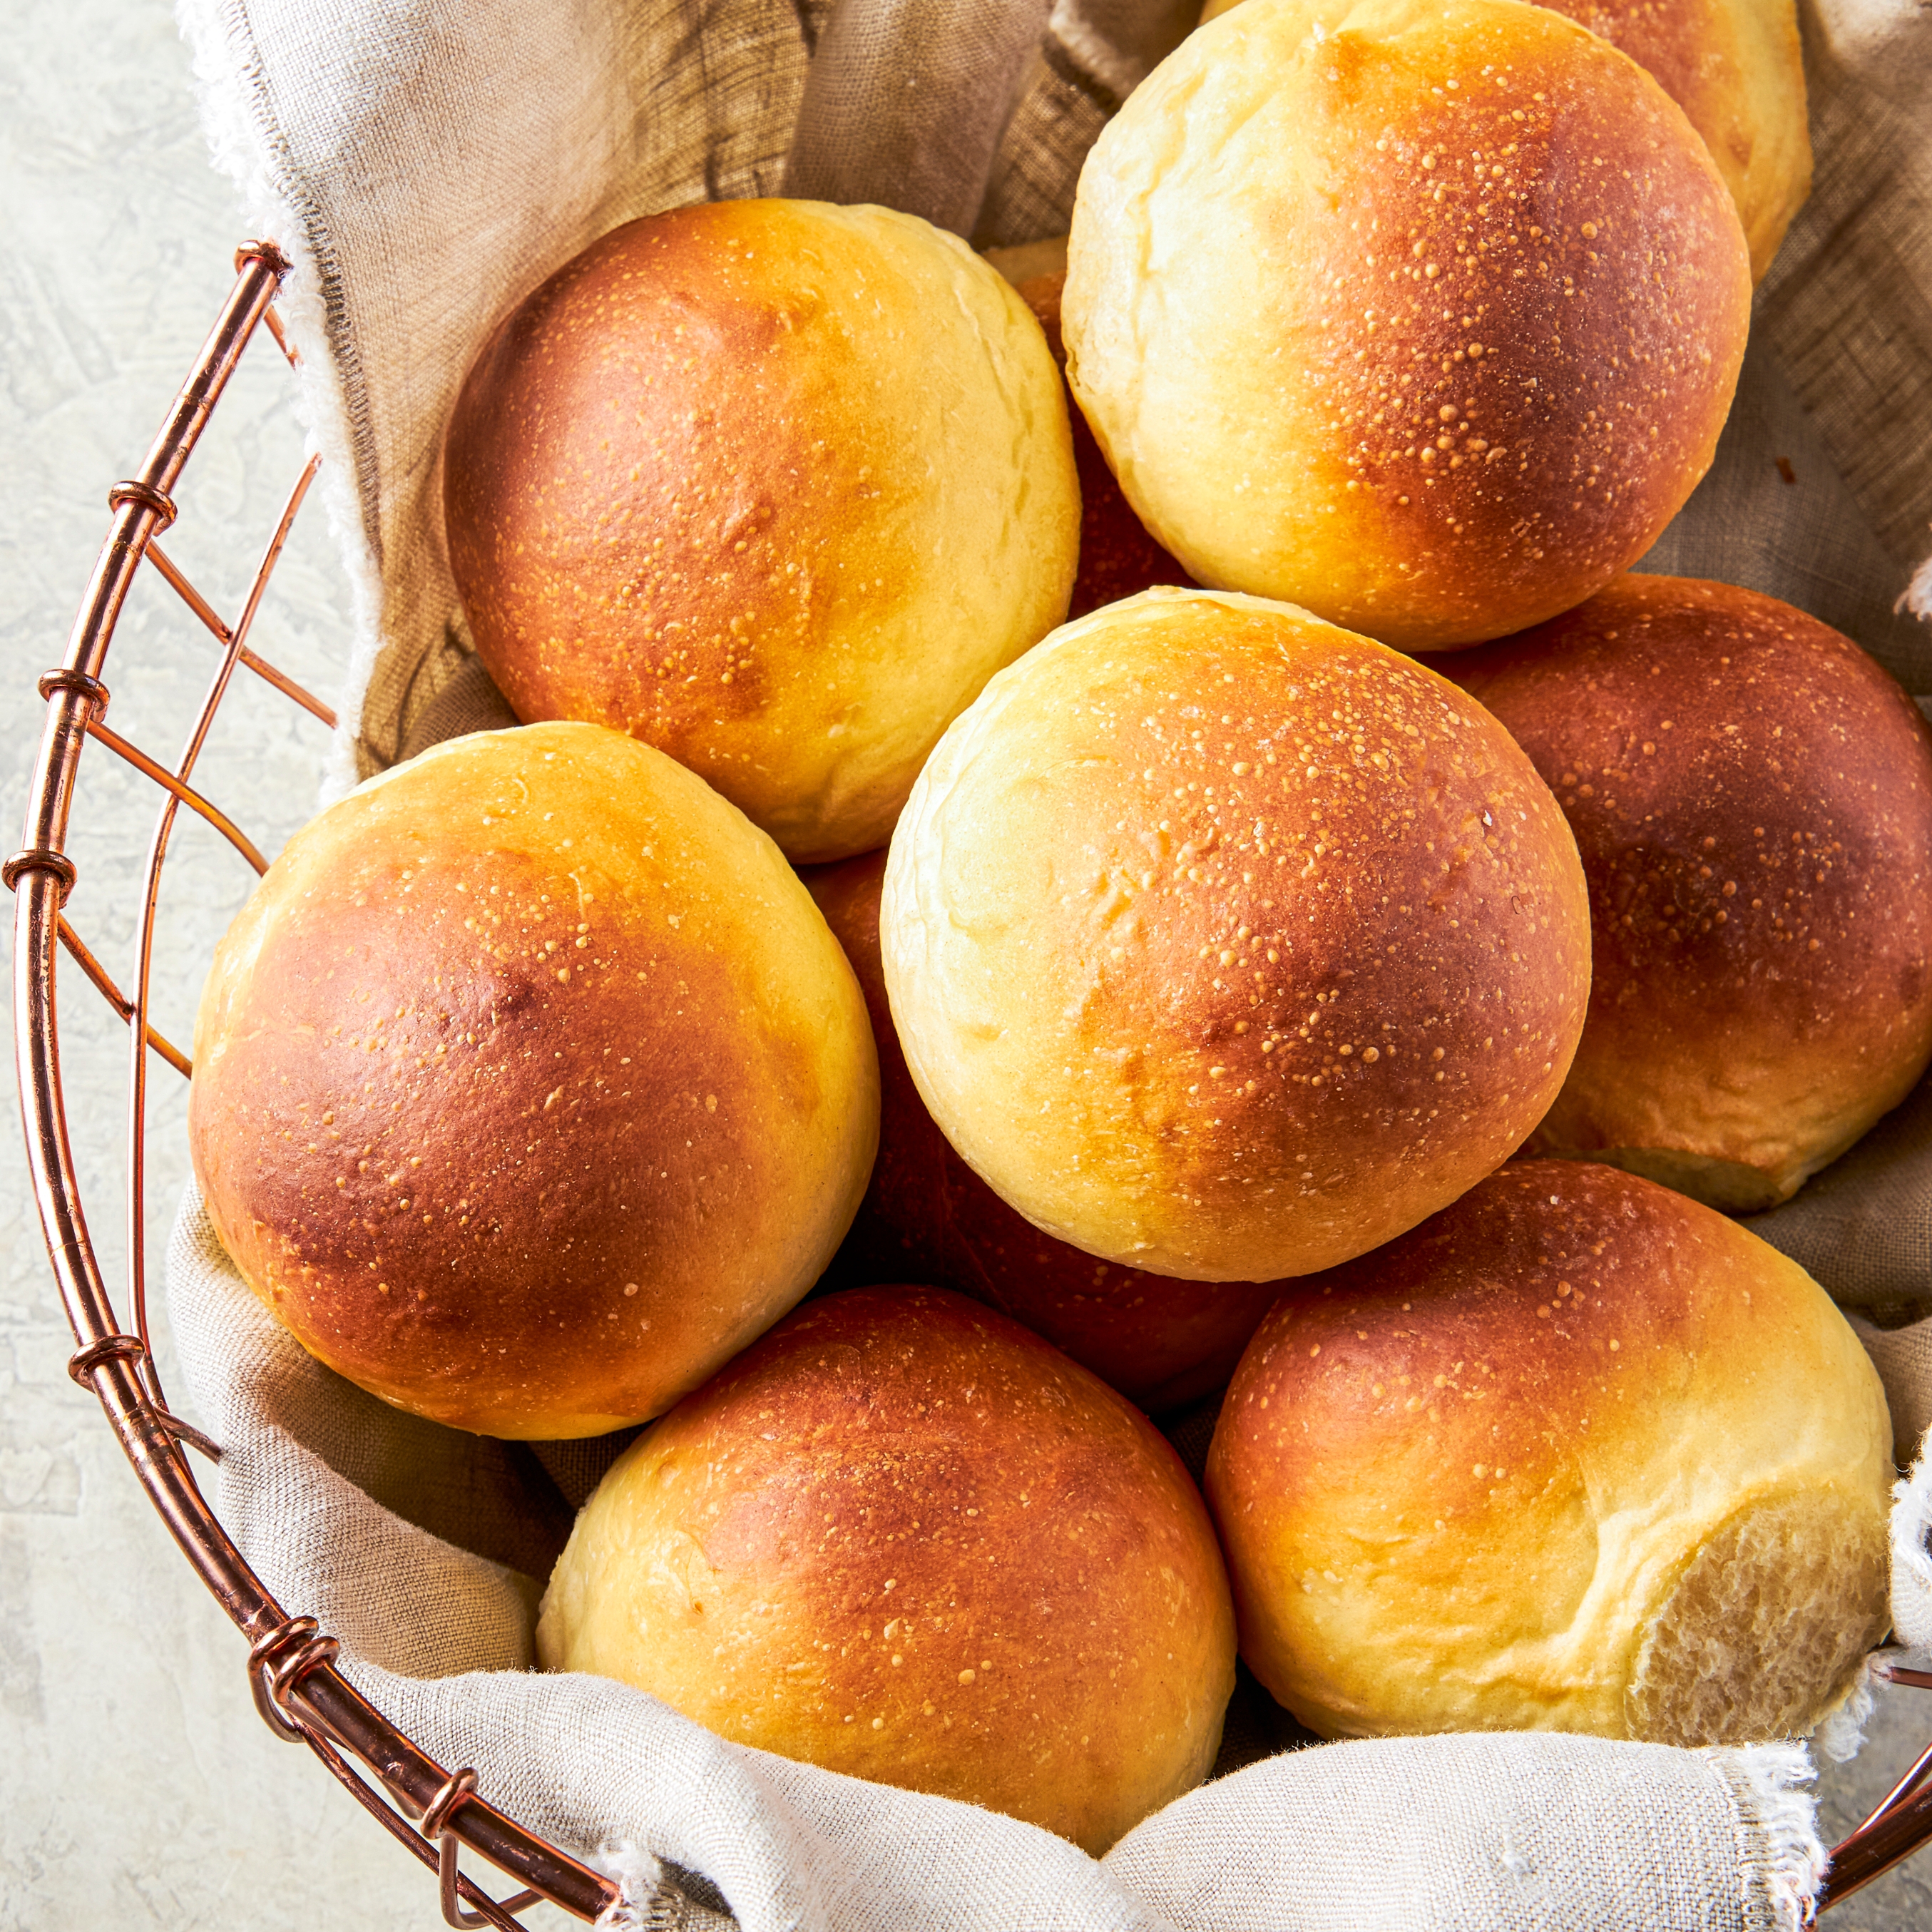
<point>772,485</point>
<point>1752,797</point>
<point>1736,69</point>
<point>904,1539</point>
<point>1577,1454</point>
<point>1224,944</point>
<point>1425,314</point>
<point>529,1086</point>
<point>928,1216</point>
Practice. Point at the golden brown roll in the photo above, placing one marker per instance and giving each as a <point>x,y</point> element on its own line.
<point>1577,1454</point>
<point>1736,69</point>
<point>529,1086</point>
<point>1752,797</point>
<point>772,485</point>
<point>904,1539</point>
<point>1425,314</point>
<point>1224,944</point>
<point>928,1216</point>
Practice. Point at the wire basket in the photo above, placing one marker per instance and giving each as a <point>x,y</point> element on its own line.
<point>300,1694</point>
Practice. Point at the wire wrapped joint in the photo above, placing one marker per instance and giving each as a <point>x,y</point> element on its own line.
<point>39,858</point>
<point>81,1364</point>
<point>278,1660</point>
<point>270,257</point>
<point>143,496</point>
<point>51,683</point>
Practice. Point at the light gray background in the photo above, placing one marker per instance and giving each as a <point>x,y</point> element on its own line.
<point>137,1787</point>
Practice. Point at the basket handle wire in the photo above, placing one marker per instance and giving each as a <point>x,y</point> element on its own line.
<point>291,1665</point>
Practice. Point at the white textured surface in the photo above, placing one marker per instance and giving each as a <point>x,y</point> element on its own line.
<point>136,1785</point>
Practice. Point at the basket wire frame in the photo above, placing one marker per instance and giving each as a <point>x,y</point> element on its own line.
<point>291,1664</point>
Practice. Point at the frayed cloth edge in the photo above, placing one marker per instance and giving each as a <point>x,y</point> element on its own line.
<point>1782,1860</point>
<point>1840,1734</point>
<point>1916,598</point>
<point>640,1886</point>
<point>650,1899</point>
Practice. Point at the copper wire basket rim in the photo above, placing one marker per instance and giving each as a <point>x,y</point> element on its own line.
<point>291,1669</point>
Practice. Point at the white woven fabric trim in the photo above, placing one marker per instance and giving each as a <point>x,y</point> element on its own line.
<point>1911,1563</point>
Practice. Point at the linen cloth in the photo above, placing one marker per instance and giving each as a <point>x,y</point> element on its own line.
<point>424,163</point>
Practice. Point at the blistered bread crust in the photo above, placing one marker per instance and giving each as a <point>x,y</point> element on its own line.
<point>1752,797</point>
<point>1224,944</point>
<point>529,1086</point>
<point>1736,69</point>
<point>774,486</point>
<point>904,1539</point>
<point>927,1216</point>
<point>1425,314</point>
<point>1483,1479</point>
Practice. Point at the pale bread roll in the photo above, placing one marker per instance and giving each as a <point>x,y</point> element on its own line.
<point>529,1086</point>
<point>772,485</point>
<point>904,1539</point>
<point>1737,69</point>
<point>1424,314</point>
<point>1225,944</point>
<point>1577,1454</point>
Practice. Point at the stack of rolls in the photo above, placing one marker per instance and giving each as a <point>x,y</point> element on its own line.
<point>1196,959</point>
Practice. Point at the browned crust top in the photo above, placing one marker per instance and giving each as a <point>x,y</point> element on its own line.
<point>505,1120</point>
<point>1273,916</point>
<point>635,460</point>
<point>1735,68</point>
<point>701,484</point>
<point>944,1525</point>
<point>1515,294</point>
<point>1752,799</point>
<point>1456,1478</point>
<point>1485,1345</point>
